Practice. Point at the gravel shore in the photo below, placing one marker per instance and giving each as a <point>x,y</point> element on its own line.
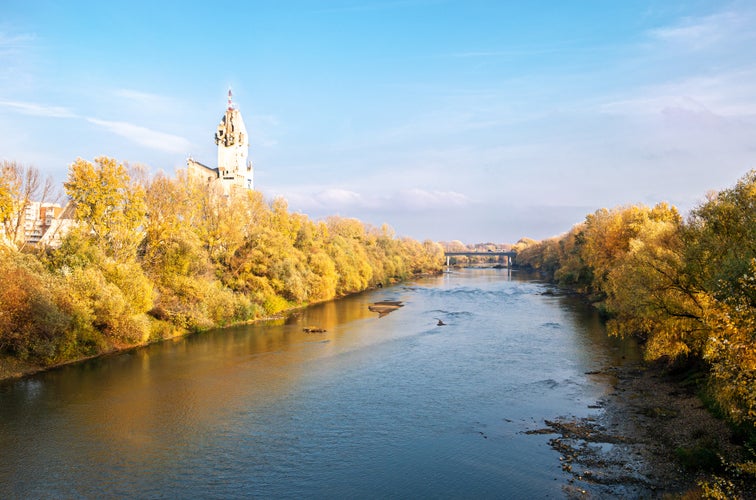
<point>648,441</point>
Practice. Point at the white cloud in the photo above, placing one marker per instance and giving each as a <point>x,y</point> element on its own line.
<point>143,98</point>
<point>320,199</point>
<point>34,109</point>
<point>696,32</point>
<point>145,137</point>
<point>420,199</point>
<point>724,33</point>
<point>12,44</point>
<point>336,197</point>
<point>17,60</point>
<point>713,32</point>
<point>333,200</point>
<point>728,95</point>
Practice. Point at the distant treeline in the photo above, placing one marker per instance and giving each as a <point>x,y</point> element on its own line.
<point>685,286</point>
<point>152,258</point>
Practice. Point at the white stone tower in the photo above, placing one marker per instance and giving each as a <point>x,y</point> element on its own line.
<point>233,148</point>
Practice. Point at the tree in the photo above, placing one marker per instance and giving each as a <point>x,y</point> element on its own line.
<point>19,187</point>
<point>112,208</point>
<point>348,254</point>
<point>722,241</point>
<point>720,258</point>
<point>605,237</point>
<point>32,325</point>
<point>649,294</point>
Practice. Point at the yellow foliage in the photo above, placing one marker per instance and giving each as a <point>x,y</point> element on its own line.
<point>274,304</point>
<point>322,280</point>
<point>105,306</point>
<point>32,324</point>
<point>112,208</point>
<point>607,235</point>
<point>687,287</point>
<point>19,187</point>
<point>152,257</point>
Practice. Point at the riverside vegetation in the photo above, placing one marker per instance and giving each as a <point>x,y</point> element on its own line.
<point>152,258</point>
<point>686,287</point>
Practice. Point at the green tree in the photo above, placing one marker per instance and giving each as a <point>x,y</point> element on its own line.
<point>720,258</point>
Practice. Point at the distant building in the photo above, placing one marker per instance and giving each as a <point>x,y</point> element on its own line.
<point>38,219</point>
<point>42,224</point>
<point>233,170</point>
<point>56,227</point>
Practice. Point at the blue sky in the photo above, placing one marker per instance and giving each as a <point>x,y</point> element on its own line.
<point>471,120</point>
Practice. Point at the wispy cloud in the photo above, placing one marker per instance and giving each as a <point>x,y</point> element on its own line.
<point>146,102</point>
<point>322,199</point>
<point>140,97</point>
<point>698,55</point>
<point>146,137</point>
<point>421,199</point>
<point>17,59</point>
<point>34,109</point>
<point>340,198</point>
<point>332,200</point>
<point>701,32</point>
<point>728,95</point>
<point>13,44</point>
<point>137,134</point>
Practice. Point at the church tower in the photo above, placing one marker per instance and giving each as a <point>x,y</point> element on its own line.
<point>233,148</point>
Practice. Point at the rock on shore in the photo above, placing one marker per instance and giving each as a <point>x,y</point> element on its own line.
<point>636,447</point>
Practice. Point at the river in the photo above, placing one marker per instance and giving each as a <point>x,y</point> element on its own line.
<point>374,407</point>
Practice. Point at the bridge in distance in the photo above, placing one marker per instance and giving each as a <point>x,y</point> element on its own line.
<point>509,255</point>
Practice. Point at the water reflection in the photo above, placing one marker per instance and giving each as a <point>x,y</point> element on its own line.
<point>390,406</point>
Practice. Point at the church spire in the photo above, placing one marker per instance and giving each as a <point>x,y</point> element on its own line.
<point>234,170</point>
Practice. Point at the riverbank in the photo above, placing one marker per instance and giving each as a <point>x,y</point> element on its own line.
<point>629,448</point>
<point>652,439</point>
<point>13,368</point>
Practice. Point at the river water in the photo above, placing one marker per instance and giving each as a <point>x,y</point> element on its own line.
<point>374,407</point>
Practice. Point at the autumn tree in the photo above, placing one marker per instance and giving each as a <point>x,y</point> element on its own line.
<point>111,208</point>
<point>385,255</point>
<point>686,287</point>
<point>98,259</point>
<point>19,187</point>
<point>312,239</point>
<point>150,258</point>
<point>649,294</point>
<point>720,258</point>
<point>33,326</point>
<point>532,254</point>
<point>191,229</point>
<point>346,248</point>
<point>171,246</point>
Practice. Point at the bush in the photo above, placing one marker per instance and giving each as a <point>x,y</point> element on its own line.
<point>701,457</point>
<point>31,323</point>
